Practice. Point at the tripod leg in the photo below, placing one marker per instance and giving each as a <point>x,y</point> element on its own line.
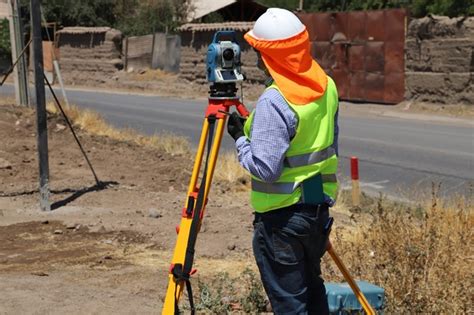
<point>214,154</point>
<point>198,159</point>
<point>175,289</point>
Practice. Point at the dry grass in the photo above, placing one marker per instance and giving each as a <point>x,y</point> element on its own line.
<point>421,256</point>
<point>7,100</point>
<point>228,168</point>
<point>93,123</point>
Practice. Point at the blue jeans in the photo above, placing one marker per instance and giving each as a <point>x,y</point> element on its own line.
<point>288,245</point>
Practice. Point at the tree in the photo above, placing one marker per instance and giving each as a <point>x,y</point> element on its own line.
<point>75,13</point>
<point>4,39</point>
<point>145,17</point>
<point>452,7</point>
<point>417,8</point>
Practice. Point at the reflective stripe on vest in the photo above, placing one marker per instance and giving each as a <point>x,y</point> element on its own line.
<point>311,153</point>
<point>285,188</point>
<point>309,158</point>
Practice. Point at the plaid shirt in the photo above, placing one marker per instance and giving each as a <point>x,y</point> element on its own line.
<point>274,125</point>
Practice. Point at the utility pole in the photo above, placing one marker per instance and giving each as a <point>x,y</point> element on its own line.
<point>22,67</point>
<point>20,73</point>
<point>14,52</point>
<point>300,7</point>
<point>42,133</point>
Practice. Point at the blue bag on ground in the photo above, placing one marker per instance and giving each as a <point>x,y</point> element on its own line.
<point>341,299</point>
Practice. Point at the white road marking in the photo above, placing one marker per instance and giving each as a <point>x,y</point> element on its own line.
<point>373,185</point>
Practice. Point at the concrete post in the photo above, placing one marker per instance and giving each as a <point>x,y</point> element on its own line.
<point>13,45</point>
<point>22,66</point>
<point>40,105</point>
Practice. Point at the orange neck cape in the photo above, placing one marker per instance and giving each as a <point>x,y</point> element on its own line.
<point>300,78</point>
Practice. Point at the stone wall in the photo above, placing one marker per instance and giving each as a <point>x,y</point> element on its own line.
<point>139,51</point>
<point>89,55</point>
<point>156,51</point>
<point>440,60</point>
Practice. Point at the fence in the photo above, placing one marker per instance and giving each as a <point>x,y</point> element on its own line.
<point>363,51</point>
<point>157,51</point>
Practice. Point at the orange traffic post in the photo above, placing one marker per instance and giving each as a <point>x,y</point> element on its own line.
<point>355,181</point>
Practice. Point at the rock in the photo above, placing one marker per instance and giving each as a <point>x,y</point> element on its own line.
<point>113,35</point>
<point>231,247</point>
<point>17,123</point>
<point>154,213</point>
<point>44,222</point>
<point>109,242</point>
<point>5,164</point>
<point>235,306</point>
<point>71,226</point>
<point>107,257</point>
<point>58,232</point>
<point>268,307</point>
<point>39,274</point>
<point>60,127</point>
<point>142,71</point>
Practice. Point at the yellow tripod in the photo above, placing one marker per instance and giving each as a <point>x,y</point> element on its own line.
<point>193,211</point>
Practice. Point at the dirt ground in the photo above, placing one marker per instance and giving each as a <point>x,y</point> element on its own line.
<point>103,250</point>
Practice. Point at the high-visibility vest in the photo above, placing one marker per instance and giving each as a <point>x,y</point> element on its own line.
<point>311,152</point>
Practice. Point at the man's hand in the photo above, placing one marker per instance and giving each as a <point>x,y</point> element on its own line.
<point>235,126</point>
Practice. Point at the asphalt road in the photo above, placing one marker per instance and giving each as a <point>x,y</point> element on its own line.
<point>399,157</point>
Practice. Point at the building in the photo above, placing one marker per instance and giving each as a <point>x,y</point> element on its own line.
<point>206,18</point>
<point>4,9</point>
<point>225,10</point>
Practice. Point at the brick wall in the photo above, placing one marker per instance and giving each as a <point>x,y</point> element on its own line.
<point>89,56</point>
<point>440,60</point>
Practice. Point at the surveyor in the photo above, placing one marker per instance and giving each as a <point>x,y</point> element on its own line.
<point>289,146</point>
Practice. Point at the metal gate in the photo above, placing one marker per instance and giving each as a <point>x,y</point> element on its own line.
<point>363,51</point>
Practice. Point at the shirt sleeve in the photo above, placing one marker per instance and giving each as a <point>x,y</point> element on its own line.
<point>273,127</point>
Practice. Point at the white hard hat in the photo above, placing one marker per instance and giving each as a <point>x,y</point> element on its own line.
<point>276,24</point>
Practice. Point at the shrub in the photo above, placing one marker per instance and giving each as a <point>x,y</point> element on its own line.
<point>421,256</point>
